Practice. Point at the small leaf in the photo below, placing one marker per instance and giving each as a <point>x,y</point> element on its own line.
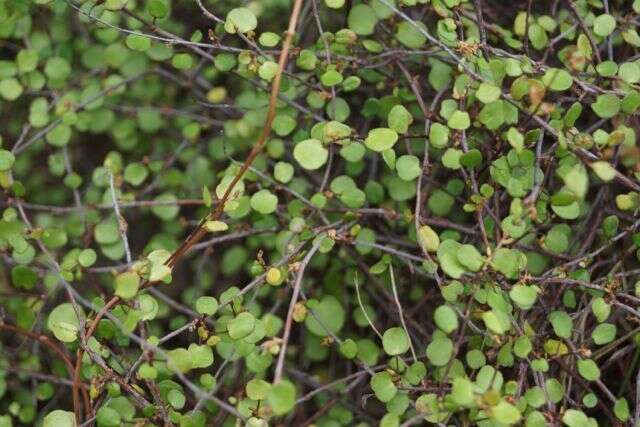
<point>505,413</point>
<point>282,397</point>
<point>462,392</point>
<point>439,351</point>
<point>395,341</point>
<point>311,154</point>
<point>575,418</point>
<point>383,386</point>
<point>64,323</point>
<point>445,318</point>
<point>381,139</point>
<point>408,167</point>
<point>59,418</point>
<point>6,160</point>
<point>562,323</point>
<point>264,202</point>
<point>604,333</point>
<point>241,326</point>
<point>487,93</point>
<point>257,389</point>
<point>201,356</point>
<point>428,239</point>
<point>459,120</point>
<point>127,284</point>
<point>206,305</point>
<point>399,119</point>
<point>604,170</point>
<point>606,106</point>
<point>588,369</point>
<point>557,79</point>
<point>214,226</point>
<point>604,25</point>
<point>241,20</point>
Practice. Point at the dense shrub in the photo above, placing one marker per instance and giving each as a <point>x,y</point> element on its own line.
<point>319,212</point>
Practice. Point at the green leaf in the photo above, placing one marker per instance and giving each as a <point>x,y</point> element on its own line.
<point>604,170</point>
<point>257,389</point>
<point>471,158</point>
<point>349,348</point>
<point>439,135</point>
<point>59,418</point>
<point>408,167</point>
<point>201,356</point>
<point>495,322</point>
<point>439,351</point>
<point>311,154</point>
<point>135,174</point>
<point>383,386</point>
<point>399,119</point>
<point>10,89</point>
<point>241,326</point>
<point>410,36</point>
<point>328,314</point>
<point>176,399</point>
<point>522,346</point>
<point>179,360</point>
<point>488,92</point>
<point>6,160</point>
<point>206,305</point>
<point>629,72</point>
<point>557,79</point>
<point>524,296</point>
<point>127,284</point>
<point>445,318</point>
<point>575,418</point>
<point>505,413</point>
<point>459,120</point>
<point>64,322</point>
<point>395,341</point>
<point>381,139</point>
<point>269,39</point>
<point>606,106</point>
<point>562,323</point>
<point>588,369</point>
<point>215,226</point>
<point>108,417</point>
<point>469,257</point>
<point>600,309</point>
<point>282,397</point>
<point>264,202</point>
<point>604,25</point>
<point>621,409</point>
<point>448,259</point>
<point>451,158</point>
<point>509,262</point>
<point>362,19</point>
<point>334,4</point>
<point>240,20</point>
<point>57,68</point>
<point>331,78</point>
<point>27,60</point>
<point>428,239</point>
<point>462,392</point>
<point>23,277</point>
<point>604,333</point>
<point>283,172</point>
<point>138,42</point>
<point>182,61</point>
<point>157,8</point>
